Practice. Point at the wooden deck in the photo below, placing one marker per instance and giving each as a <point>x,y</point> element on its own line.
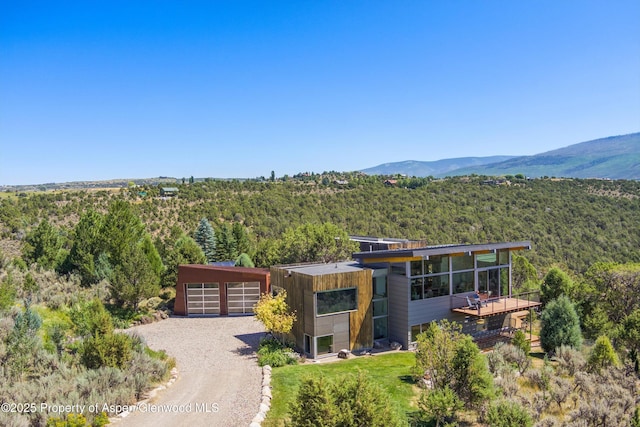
<point>499,306</point>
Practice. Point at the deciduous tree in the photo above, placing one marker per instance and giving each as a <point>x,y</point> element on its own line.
<point>273,312</point>
<point>316,243</point>
<point>556,282</point>
<point>602,355</point>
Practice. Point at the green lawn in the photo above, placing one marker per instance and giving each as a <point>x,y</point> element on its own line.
<point>391,371</point>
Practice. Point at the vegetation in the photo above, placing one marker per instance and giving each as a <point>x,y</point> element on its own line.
<point>275,354</point>
<point>82,262</point>
<point>389,371</point>
<point>350,401</point>
<point>205,237</point>
<point>273,312</point>
<point>560,325</point>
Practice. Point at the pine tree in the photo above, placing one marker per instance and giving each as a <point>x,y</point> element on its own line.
<point>226,249</point>
<point>560,325</point>
<point>205,237</point>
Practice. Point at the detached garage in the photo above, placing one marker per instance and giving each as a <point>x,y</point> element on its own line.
<point>205,290</point>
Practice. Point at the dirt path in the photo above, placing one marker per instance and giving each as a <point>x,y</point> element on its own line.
<point>219,381</point>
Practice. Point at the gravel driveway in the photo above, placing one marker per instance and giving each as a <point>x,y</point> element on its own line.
<point>219,381</point>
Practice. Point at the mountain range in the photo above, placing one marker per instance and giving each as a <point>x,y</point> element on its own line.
<point>615,157</point>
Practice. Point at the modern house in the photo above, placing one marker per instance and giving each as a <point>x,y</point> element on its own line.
<point>168,191</point>
<point>218,290</point>
<point>394,288</point>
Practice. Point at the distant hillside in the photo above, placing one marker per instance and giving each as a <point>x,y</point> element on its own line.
<point>434,168</point>
<point>615,157</point>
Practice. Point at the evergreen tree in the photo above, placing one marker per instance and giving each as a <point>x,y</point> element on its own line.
<point>226,247</point>
<point>243,243</point>
<point>122,231</point>
<point>150,251</point>
<point>473,382</point>
<point>351,401</point>
<point>42,245</point>
<point>134,279</point>
<point>205,237</point>
<point>87,247</point>
<point>313,406</point>
<point>560,325</point>
<point>184,251</point>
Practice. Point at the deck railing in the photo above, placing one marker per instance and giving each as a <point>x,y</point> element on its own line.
<point>488,304</point>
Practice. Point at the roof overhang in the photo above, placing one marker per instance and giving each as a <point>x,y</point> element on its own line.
<point>402,255</point>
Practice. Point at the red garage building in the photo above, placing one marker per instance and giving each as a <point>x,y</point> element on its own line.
<point>212,290</point>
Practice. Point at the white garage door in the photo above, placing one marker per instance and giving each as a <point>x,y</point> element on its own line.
<point>203,298</point>
<point>242,296</point>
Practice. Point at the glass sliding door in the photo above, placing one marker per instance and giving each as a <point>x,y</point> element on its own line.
<point>489,282</point>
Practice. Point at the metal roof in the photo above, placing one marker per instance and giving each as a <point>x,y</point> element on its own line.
<point>322,269</point>
<point>441,250</point>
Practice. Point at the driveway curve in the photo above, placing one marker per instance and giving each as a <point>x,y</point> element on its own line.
<point>219,380</point>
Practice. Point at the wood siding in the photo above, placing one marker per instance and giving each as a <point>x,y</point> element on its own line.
<point>301,289</point>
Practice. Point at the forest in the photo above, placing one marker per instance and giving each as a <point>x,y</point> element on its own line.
<point>77,265</point>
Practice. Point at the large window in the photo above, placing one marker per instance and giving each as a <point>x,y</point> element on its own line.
<point>436,264</point>
<point>463,282</point>
<point>487,260</point>
<point>462,262</point>
<point>337,301</point>
<point>436,286</point>
<point>430,286</point>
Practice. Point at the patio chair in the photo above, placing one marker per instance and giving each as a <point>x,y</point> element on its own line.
<point>479,301</point>
<point>473,304</point>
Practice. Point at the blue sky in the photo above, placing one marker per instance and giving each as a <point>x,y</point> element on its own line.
<point>131,89</point>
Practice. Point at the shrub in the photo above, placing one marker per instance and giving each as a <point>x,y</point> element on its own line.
<point>506,413</point>
<point>275,354</point>
<point>113,350</point>
<point>352,400</point>
<point>7,293</point>
<point>569,360</point>
<point>440,405</point>
<point>520,340</point>
<point>514,356</point>
<point>90,318</point>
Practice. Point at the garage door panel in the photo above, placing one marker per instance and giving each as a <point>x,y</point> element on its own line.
<point>203,298</point>
<point>242,296</point>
